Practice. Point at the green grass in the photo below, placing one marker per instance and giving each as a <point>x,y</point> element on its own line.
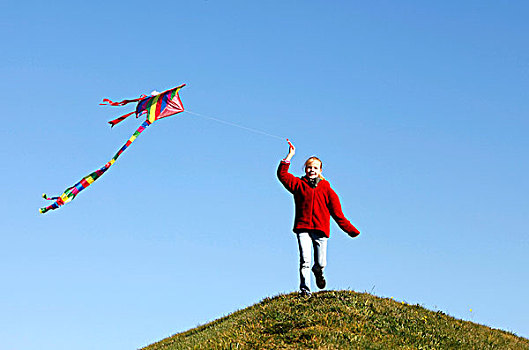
<point>340,320</point>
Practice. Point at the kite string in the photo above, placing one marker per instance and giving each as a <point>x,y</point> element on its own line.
<point>236,125</point>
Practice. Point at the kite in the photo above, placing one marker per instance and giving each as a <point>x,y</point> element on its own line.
<point>154,107</point>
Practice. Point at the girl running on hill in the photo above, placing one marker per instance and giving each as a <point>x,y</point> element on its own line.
<point>315,203</point>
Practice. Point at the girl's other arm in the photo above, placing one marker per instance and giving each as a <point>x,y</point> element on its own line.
<point>335,209</point>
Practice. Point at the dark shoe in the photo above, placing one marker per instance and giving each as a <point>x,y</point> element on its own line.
<point>320,280</point>
<point>305,293</point>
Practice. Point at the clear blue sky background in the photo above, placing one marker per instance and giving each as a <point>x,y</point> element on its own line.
<point>419,112</point>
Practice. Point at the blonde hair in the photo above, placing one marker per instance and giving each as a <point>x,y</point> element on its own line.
<point>310,160</point>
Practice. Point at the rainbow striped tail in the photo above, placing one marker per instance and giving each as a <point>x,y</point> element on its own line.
<point>71,192</point>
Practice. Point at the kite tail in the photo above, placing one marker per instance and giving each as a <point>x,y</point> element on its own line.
<point>70,193</point>
<point>120,119</point>
<point>106,101</point>
<point>48,198</point>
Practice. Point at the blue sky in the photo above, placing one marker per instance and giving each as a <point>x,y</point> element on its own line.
<point>418,111</point>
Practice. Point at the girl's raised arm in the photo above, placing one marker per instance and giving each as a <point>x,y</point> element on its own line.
<point>287,179</point>
<point>291,151</point>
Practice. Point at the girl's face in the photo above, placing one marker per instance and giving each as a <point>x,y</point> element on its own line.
<point>313,169</point>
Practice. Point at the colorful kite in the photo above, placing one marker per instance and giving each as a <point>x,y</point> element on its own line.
<point>154,107</point>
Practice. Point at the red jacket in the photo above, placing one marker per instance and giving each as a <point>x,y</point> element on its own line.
<point>314,206</point>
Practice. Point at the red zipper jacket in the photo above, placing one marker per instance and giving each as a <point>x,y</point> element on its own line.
<point>314,206</point>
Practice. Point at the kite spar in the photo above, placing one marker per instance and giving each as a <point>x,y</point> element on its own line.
<point>155,107</point>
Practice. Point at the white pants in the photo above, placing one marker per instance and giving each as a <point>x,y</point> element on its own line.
<point>319,242</point>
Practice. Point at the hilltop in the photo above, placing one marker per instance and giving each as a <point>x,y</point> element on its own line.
<point>338,320</point>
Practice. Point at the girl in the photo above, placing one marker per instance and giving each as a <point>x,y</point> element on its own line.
<point>315,203</point>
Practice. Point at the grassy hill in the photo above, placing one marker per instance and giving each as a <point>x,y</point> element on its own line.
<point>340,320</point>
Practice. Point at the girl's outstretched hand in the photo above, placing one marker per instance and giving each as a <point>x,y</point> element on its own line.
<point>291,150</point>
